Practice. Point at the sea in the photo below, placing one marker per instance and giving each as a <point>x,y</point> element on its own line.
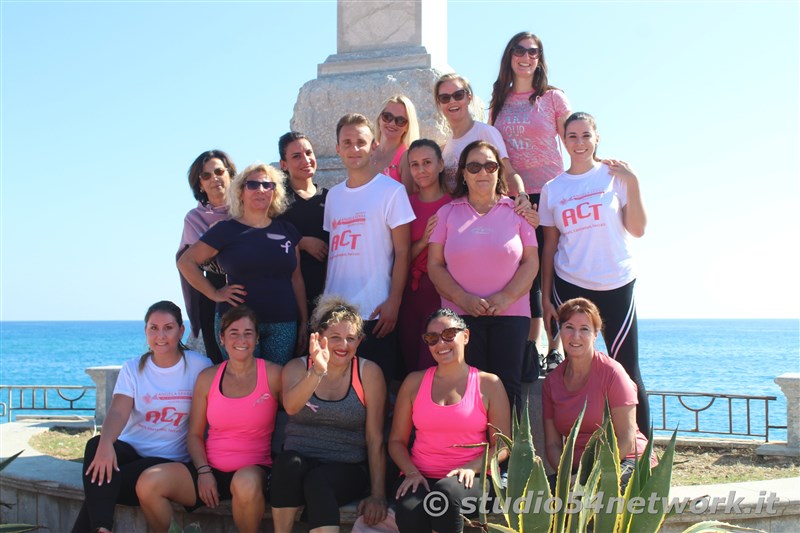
<point>740,357</point>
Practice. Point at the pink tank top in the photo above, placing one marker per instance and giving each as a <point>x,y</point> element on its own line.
<point>393,170</point>
<point>240,429</point>
<point>440,426</point>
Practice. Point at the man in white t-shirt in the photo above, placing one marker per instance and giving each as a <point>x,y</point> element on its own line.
<point>368,218</point>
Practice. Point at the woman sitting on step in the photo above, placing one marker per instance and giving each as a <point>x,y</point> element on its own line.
<point>237,401</point>
<point>333,452</point>
<point>146,423</point>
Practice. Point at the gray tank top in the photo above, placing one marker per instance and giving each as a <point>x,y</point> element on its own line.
<point>329,431</point>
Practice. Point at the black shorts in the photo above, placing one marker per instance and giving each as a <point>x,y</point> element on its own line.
<point>223,480</point>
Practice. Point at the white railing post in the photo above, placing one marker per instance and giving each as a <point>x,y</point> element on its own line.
<point>105,378</point>
<point>790,386</point>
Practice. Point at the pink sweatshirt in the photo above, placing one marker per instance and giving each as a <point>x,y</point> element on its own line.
<point>483,253</point>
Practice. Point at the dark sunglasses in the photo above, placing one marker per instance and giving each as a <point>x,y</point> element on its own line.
<point>475,167</point>
<point>253,185</point>
<point>388,118</point>
<point>432,338</point>
<point>445,98</point>
<point>520,51</point>
<point>217,172</point>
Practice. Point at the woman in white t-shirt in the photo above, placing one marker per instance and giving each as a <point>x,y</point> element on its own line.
<point>589,214</point>
<point>453,96</point>
<point>147,422</point>
<point>529,113</point>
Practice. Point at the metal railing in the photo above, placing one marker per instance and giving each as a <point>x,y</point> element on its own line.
<point>727,401</point>
<point>41,398</point>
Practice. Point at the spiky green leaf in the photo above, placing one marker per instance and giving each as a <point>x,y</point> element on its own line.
<point>565,472</point>
<point>656,487</point>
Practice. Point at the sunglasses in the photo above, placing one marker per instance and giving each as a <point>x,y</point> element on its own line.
<point>399,121</point>
<point>445,98</point>
<point>253,185</point>
<point>217,172</point>
<point>475,167</point>
<point>432,338</point>
<point>520,51</point>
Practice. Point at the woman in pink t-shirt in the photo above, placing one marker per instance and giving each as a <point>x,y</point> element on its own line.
<point>449,403</point>
<point>420,298</point>
<point>397,129</point>
<point>236,401</point>
<point>482,259</point>
<point>529,113</point>
<point>588,377</point>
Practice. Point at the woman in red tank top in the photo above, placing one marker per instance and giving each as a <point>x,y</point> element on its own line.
<point>450,403</point>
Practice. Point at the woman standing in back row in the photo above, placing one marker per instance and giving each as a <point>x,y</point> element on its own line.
<point>589,214</point>
<point>530,115</point>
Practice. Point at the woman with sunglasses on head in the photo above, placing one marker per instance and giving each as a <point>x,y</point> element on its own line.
<point>482,259</point>
<point>397,129</point>
<point>333,452</point>
<point>449,403</point>
<point>453,96</point>
<point>146,423</point>
<point>420,298</point>
<point>589,214</point>
<point>230,435</point>
<point>530,115</point>
<point>209,177</point>
<point>260,257</point>
<point>305,210</point>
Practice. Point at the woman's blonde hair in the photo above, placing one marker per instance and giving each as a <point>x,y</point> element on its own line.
<point>332,309</point>
<point>412,133</point>
<point>278,205</point>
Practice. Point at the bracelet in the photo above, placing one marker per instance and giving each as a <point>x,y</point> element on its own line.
<point>206,472</point>
<point>318,376</point>
<point>412,473</point>
<point>201,466</point>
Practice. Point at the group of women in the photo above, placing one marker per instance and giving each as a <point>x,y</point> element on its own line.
<point>491,207</point>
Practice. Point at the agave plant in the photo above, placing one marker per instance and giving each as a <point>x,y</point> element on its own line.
<point>593,501</point>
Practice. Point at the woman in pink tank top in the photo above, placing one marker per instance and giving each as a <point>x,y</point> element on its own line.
<point>450,403</point>
<point>237,401</point>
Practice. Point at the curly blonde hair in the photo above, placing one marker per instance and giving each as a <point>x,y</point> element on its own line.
<point>278,205</point>
<point>332,309</point>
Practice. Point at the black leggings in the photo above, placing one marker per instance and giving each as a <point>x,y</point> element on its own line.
<point>621,332</point>
<point>323,487</point>
<point>496,345</point>
<point>98,506</point>
<point>412,514</point>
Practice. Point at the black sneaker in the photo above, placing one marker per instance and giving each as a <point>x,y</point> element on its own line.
<point>554,358</point>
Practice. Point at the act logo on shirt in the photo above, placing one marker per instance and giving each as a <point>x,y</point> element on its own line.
<point>347,239</point>
<point>587,209</point>
<point>165,415</point>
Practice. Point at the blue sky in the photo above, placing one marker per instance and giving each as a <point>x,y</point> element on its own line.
<point>105,105</point>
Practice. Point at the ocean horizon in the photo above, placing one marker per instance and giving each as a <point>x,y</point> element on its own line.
<point>719,356</point>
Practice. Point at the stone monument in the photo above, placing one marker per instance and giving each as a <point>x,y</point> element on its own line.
<point>384,48</point>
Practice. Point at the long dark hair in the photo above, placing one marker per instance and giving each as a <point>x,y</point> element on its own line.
<point>505,78</point>
<point>164,306</point>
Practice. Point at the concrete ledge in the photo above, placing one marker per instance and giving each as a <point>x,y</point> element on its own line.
<point>48,492</point>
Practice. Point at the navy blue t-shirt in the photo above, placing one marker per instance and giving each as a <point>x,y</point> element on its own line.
<point>262,260</point>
